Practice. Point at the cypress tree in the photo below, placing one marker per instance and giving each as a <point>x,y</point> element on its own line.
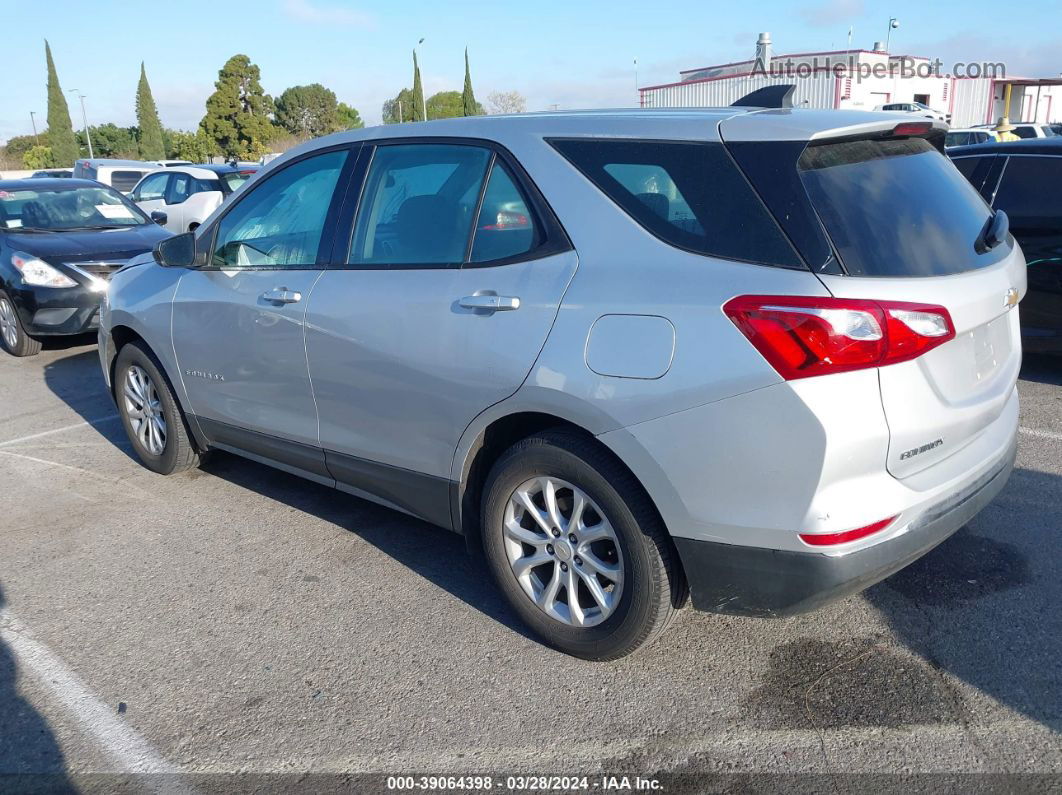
<point>147,119</point>
<point>468,99</point>
<point>418,92</point>
<point>61,138</point>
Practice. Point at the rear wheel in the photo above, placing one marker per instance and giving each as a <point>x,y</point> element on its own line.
<point>150,414</point>
<point>12,336</point>
<point>577,548</point>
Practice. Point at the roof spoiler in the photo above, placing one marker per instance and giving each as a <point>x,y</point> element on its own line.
<point>777,96</point>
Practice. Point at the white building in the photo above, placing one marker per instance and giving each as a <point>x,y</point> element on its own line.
<point>864,79</point>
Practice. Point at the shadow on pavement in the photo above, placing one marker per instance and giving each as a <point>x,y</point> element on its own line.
<point>984,606</point>
<point>30,758</point>
<point>437,555</point>
<point>77,380</point>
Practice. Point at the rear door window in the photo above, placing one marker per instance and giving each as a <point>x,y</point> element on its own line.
<point>505,227</point>
<point>418,205</point>
<point>1030,193</point>
<point>896,207</point>
<point>690,195</point>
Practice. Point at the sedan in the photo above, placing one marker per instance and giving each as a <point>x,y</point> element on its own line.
<point>60,241</point>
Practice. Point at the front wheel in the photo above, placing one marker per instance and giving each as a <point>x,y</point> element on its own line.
<point>577,548</point>
<point>150,414</point>
<point>12,336</point>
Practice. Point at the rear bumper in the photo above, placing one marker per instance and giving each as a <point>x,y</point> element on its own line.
<point>745,580</point>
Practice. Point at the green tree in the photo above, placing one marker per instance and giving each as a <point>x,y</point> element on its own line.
<point>37,157</point>
<point>448,105</point>
<point>237,113</point>
<point>349,118</point>
<point>469,106</point>
<point>194,146</point>
<point>60,134</point>
<point>308,110</point>
<point>418,91</point>
<point>110,140</point>
<point>399,109</point>
<point>18,146</point>
<point>445,105</point>
<point>147,119</point>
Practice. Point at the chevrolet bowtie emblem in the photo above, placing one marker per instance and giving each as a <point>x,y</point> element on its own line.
<point>1011,297</point>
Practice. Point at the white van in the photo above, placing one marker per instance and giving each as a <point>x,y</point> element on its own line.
<point>122,175</point>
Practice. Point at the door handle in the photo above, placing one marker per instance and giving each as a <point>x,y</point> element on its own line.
<point>490,303</point>
<point>282,295</point>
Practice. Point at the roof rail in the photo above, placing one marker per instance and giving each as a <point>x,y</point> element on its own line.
<point>777,96</point>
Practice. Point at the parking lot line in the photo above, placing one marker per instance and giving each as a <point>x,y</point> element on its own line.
<point>64,429</point>
<point>124,745</point>
<point>1057,437</point>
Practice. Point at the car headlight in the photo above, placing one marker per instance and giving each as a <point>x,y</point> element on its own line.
<point>39,273</point>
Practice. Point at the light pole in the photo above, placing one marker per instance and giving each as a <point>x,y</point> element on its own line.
<point>33,121</point>
<point>423,102</point>
<point>84,118</point>
<point>637,93</point>
<point>893,24</point>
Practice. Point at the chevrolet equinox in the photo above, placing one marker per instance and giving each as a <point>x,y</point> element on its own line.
<point>755,358</point>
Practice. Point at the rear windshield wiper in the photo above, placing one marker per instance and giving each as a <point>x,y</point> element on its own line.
<point>995,232</point>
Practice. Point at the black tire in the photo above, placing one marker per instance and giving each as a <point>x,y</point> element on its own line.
<point>178,453</point>
<point>654,587</point>
<point>24,344</point>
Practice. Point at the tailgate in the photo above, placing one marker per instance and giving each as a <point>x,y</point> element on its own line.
<point>908,227</point>
<point>938,403</point>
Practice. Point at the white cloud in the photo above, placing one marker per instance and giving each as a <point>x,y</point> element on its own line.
<point>306,11</point>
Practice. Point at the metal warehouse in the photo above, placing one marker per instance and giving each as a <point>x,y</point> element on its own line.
<point>865,79</point>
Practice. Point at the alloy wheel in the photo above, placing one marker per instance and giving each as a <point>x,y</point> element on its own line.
<point>144,410</point>
<point>8,324</point>
<point>563,551</point>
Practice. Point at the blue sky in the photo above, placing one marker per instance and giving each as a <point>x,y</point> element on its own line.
<point>571,54</point>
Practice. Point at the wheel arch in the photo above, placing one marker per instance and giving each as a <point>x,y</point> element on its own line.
<point>484,444</point>
<point>120,336</point>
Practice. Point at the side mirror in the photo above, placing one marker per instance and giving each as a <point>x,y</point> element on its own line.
<point>176,252</point>
<point>996,231</point>
<point>159,217</point>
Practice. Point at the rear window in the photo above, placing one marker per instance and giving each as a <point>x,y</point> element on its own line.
<point>690,195</point>
<point>896,208</point>
<point>125,181</point>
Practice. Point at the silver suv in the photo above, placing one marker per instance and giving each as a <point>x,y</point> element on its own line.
<point>760,358</point>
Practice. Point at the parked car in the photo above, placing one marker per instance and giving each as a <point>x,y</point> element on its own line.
<point>52,173</point>
<point>60,241</point>
<point>1023,179</point>
<point>968,136</point>
<point>121,175</point>
<point>913,107</point>
<point>619,354</point>
<point>182,197</point>
<point>1026,129</point>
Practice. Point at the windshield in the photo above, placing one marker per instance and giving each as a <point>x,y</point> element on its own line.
<point>234,179</point>
<point>896,207</point>
<point>67,208</point>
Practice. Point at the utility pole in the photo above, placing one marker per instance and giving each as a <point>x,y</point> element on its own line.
<point>637,93</point>
<point>401,118</point>
<point>84,118</point>
<point>33,121</point>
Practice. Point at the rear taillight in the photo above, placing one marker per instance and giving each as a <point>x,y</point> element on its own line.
<point>830,539</point>
<point>803,336</point>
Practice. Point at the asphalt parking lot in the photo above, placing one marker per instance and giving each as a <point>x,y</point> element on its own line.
<point>241,620</point>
